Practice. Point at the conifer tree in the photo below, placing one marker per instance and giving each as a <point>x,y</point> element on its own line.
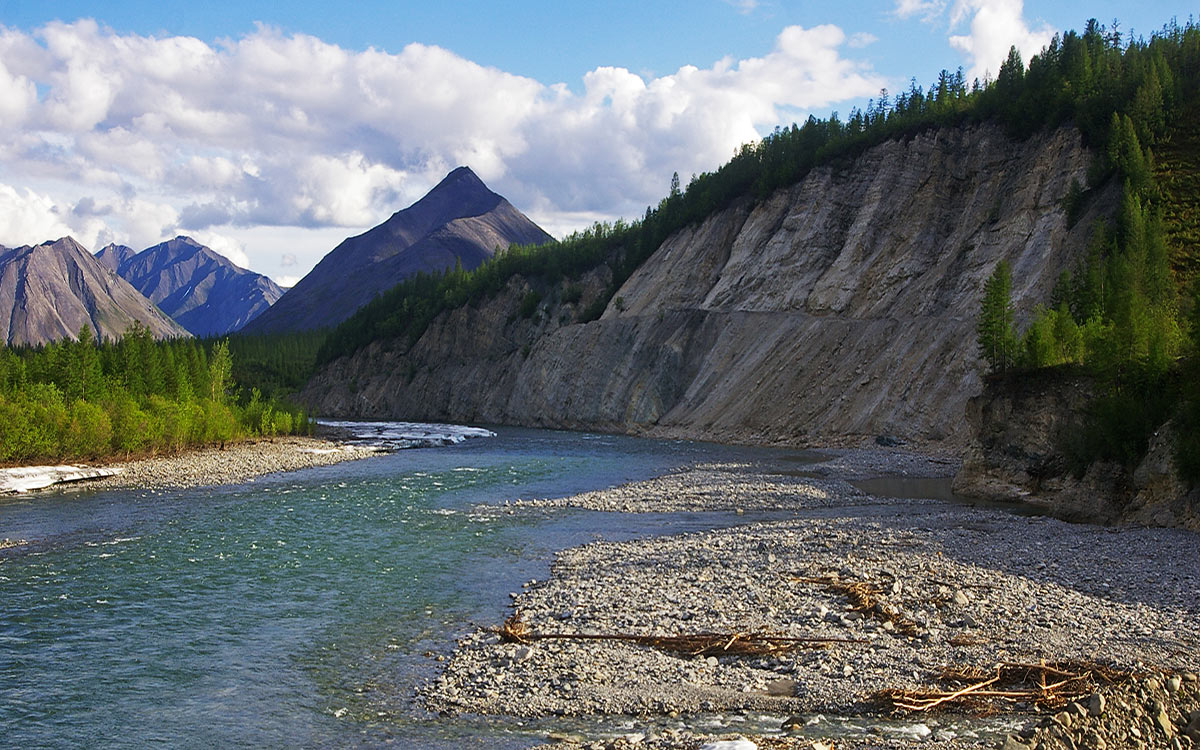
<point>997,337</point>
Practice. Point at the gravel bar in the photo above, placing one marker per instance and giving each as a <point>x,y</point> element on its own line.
<point>235,463</point>
<point>972,586</point>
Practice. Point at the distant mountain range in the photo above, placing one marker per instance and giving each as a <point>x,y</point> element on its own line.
<point>50,291</point>
<point>202,290</point>
<point>460,220</point>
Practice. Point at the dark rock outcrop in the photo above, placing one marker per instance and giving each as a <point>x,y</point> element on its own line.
<point>49,291</point>
<point>459,221</point>
<point>844,305</point>
<point>1022,431</point>
<point>202,290</point>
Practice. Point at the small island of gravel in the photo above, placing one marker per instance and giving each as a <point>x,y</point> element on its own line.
<point>953,586</point>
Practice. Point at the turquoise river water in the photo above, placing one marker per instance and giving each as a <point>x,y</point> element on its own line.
<point>297,610</point>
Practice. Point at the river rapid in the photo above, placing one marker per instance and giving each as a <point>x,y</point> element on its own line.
<point>298,609</point>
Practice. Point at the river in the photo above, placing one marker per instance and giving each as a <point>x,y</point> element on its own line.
<point>299,609</point>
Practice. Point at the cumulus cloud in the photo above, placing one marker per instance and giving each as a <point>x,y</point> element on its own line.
<point>231,248</point>
<point>166,134</point>
<point>27,218</point>
<point>995,26</point>
<point>17,96</point>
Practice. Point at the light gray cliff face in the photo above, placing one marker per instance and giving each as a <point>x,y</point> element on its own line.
<point>843,305</point>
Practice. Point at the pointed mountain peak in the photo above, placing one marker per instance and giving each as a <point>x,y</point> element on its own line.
<point>64,243</point>
<point>113,255</point>
<point>181,247</point>
<point>205,292</point>
<point>459,221</point>
<point>462,177</point>
<point>460,193</point>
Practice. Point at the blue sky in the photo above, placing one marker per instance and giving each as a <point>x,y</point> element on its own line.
<point>271,131</point>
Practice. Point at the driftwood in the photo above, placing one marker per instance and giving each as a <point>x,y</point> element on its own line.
<point>1049,685</point>
<point>864,597</point>
<point>516,630</point>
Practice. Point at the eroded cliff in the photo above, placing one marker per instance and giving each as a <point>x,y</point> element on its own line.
<point>1023,431</point>
<point>844,305</point>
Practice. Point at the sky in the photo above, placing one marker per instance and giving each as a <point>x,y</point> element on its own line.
<point>272,131</point>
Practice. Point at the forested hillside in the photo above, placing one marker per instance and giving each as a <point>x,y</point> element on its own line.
<point>75,399</point>
<point>1122,316</point>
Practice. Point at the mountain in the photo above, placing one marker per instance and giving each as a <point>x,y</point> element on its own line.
<point>460,220</point>
<point>50,291</point>
<point>202,290</point>
<point>844,304</point>
<point>111,256</point>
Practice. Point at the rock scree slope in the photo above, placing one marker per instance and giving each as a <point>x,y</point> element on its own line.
<point>49,291</point>
<point>459,220</point>
<point>843,305</point>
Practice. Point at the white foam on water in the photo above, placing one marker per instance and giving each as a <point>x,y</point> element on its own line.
<point>398,435</point>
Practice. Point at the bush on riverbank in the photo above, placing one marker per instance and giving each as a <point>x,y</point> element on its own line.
<point>84,399</point>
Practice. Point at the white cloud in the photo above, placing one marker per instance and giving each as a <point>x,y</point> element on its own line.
<point>27,218</point>
<point>996,26</point>
<point>231,248</point>
<point>174,134</point>
<point>17,97</point>
<point>287,282</point>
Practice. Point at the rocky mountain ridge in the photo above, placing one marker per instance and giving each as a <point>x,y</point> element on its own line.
<point>112,255</point>
<point>202,290</point>
<point>458,221</point>
<point>843,305</point>
<point>50,291</point>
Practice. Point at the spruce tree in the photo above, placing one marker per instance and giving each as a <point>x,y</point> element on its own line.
<point>997,337</point>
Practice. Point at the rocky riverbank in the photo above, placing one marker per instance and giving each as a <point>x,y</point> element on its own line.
<point>947,586</point>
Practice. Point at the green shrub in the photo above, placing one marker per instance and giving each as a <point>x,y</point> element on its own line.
<point>89,431</point>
